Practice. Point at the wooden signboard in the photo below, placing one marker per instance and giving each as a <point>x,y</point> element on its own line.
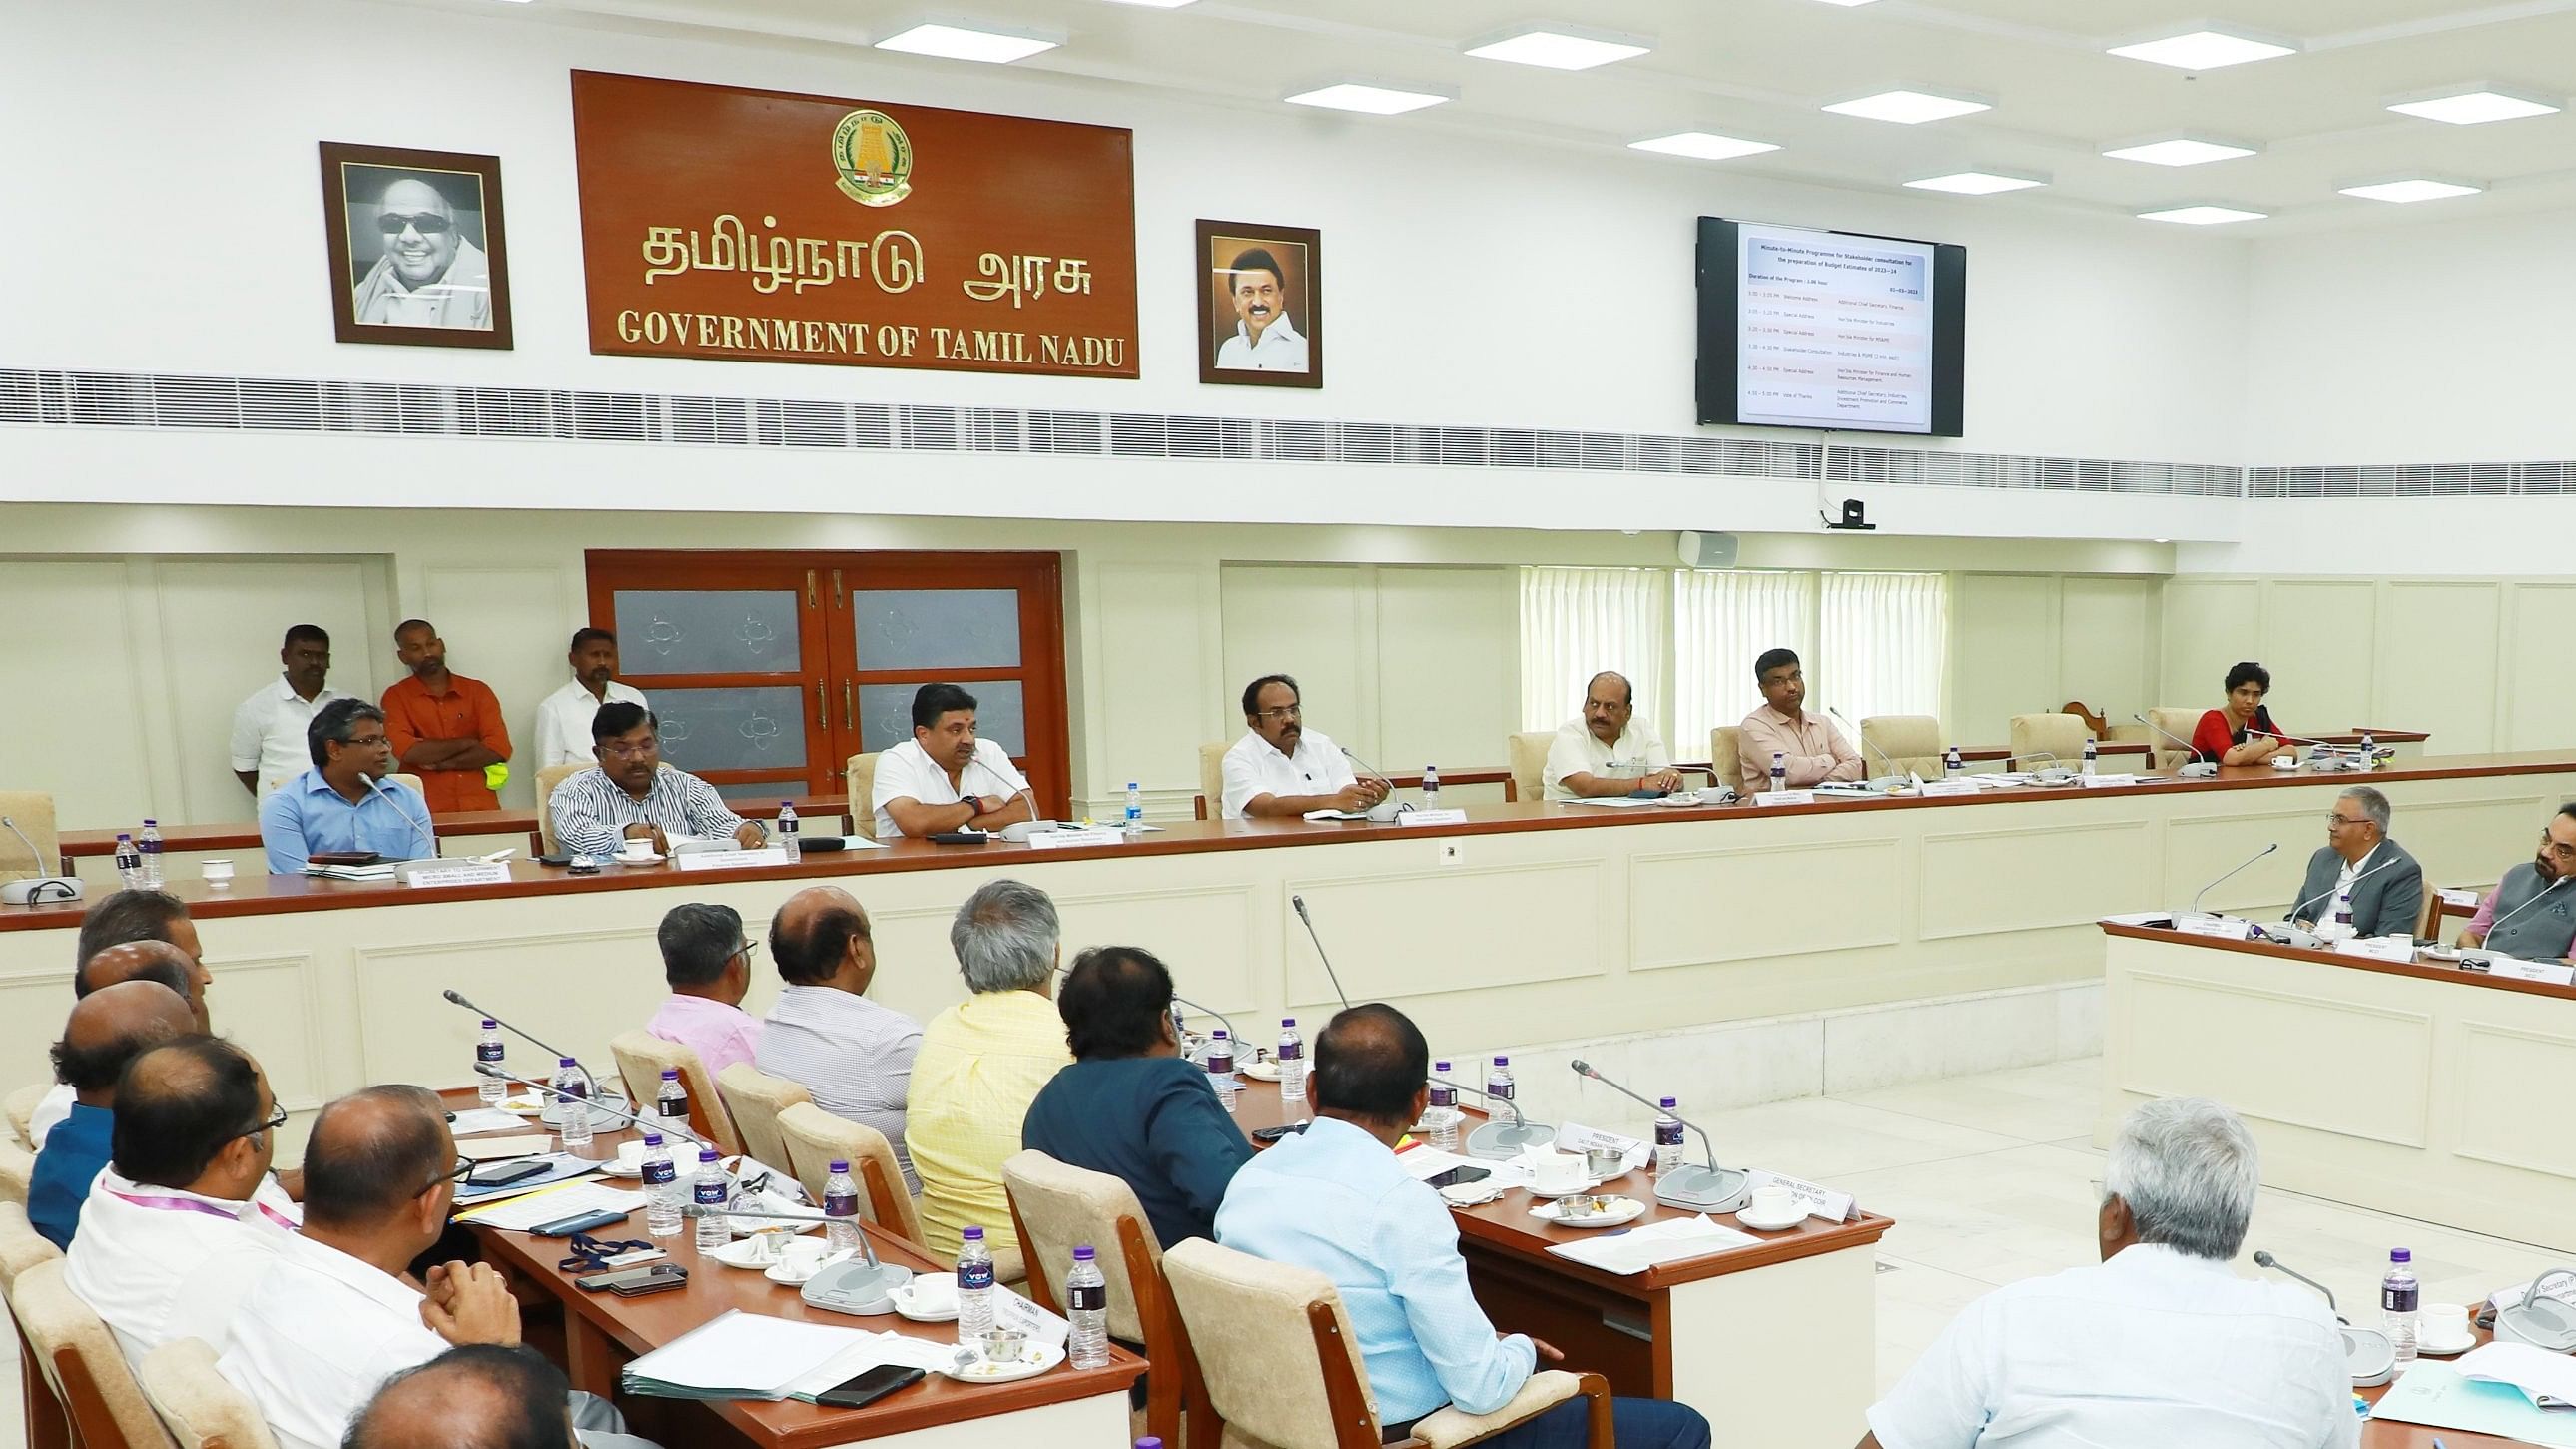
<point>762,226</point>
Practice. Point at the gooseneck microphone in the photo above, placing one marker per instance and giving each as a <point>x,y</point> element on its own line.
<point>554,1051</point>
<point>2356,880</point>
<point>2266,1260</point>
<point>2555,883</point>
<point>1708,1188</point>
<point>1334,976</point>
<point>662,1125</point>
<point>46,886</point>
<point>2193,768</point>
<point>2213,885</point>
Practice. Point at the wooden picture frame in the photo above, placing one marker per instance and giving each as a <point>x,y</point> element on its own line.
<point>1229,352</point>
<point>454,289</point>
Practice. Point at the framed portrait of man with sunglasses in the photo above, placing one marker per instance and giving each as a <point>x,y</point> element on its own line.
<point>417,255</point>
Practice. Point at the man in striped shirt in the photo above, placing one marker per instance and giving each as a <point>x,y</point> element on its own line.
<point>630,796</point>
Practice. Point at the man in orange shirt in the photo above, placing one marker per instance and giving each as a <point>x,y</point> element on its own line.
<point>444,727</point>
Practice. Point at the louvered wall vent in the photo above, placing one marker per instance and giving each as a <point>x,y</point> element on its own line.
<point>47,398</point>
<point>2415,480</point>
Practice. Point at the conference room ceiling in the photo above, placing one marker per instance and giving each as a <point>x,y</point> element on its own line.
<point>1762,70</point>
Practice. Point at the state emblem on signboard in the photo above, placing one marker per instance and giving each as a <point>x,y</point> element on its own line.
<point>874,158</point>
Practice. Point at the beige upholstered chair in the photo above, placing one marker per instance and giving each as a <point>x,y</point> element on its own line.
<point>17,1169</point>
<point>407,778</point>
<point>755,1098</point>
<point>80,1361</point>
<point>2062,735</point>
<point>200,1407</point>
<point>1726,756</point>
<point>1055,1209</point>
<point>816,1139</point>
<point>1278,1364</point>
<point>1212,780</point>
<point>641,1056</point>
<point>547,779</point>
<point>20,1108</point>
<point>1910,742</point>
<point>1528,756</point>
<point>22,1248</point>
<point>33,811</point>
<point>862,779</point>
<point>2178,723</point>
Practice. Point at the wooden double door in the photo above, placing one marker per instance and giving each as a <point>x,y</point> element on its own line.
<point>769,670</point>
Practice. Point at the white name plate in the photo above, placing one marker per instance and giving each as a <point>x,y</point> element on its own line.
<point>1061,839</point>
<point>463,873</point>
<point>2224,928</point>
<point>2100,782</point>
<point>2555,973</point>
<point>2399,949</point>
<point>1820,1202</point>
<point>2461,898</point>
<point>1010,1310</point>
<point>1785,797</point>
<point>730,859</point>
<point>1933,788</point>
<point>1575,1137</point>
<point>1432,817</point>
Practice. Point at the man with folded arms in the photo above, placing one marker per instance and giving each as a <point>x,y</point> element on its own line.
<point>2527,916</point>
<point>109,1028</point>
<point>630,796</point>
<point>1812,749</point>
<point>1334,1201</point>
<point>1608,750</point>
<point>182,1222</point>
<point>2386,884</point>
<point>946,778</point>
<point>853,1054</point>
<point>445,728</point>
<point>337,1311</point>
<point>2160,1345</point>
<point>1280,769</point>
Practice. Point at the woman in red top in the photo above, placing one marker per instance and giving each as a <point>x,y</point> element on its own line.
<point>2243,732</point>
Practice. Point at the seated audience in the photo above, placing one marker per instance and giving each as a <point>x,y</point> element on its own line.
<point>1131,1105</point>
<point>108,1028</point>
<point>347,801</point>
<point>2387,885</point>
<point>707,962</point>
<point>174,1232</point>
<point>2241,732</point>
<point>982,1062</point>
<point>114,920</point>
<point>1812,751</point>
<point>944,778</point>
<point>630,795</point>
<point>2527,916</point>
<point>2161,1344</point>
<point>1333,1200</point>
<point>335,1313</point>
<point>852,1054</point>
<point>477,1397</point>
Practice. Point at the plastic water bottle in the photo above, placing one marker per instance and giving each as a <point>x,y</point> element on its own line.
<point>787,831</point>
<point>148,845</point>
<point>662,1192</point>
<point>129,863</point>
<point>1430,788</point>
<point>1668,1138</point>
<point>1952,767</point>
<point>1442,1119</point>
<point>1220,1067</point>
<point>2398,1293</point>
<point>840,1209</point>
<point>1779,771</point>
<point>576,1104</point>
<point>1135,807</point>
<point>974,1289</point>
<point>2343,927</point>
<point>488,1052</point>
<point>672,1103</point>
<point>2092,755</point>
<point>2369,755</point>
<point>1498,1080</point>
<point>709,1189</point>
<point>1292,1061</point>
<point>1086,1305</point>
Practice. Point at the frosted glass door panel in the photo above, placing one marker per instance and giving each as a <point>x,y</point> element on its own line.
<point>936,628</point>
<point>733,729</point>
<point>885,714</point>
<point>708,631</point>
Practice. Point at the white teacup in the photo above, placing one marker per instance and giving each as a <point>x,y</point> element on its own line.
<point>638,849</point>
<point>219,875</point>
<point>2443,1324</point>
<point>630,1154</point>
<point>934,1292</point>
<point>1557,1172</point>
<point>1771,1202</point>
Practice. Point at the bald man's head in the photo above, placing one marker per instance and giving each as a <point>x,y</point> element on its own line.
<point>111,1027</point>
<point>811,935</point>
<point>480,1396</point>
<point>1371,1064</point>
<point>371,1155</point>
<point>159,961</point>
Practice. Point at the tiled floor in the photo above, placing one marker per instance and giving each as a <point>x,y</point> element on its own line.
<point>1989,1180</point>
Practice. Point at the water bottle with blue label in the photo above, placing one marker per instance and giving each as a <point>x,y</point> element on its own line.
<point>672,1103</point>
<point>840,1210</point>
<point>708,1192</point>
<point>974,1289</point>
<point>787,844</point>
<point>574,1085</point>
<point>1430,787</point>
<point>1220,1067</point>
<point>1086,1306</point>
<point>488,1052</point>
<point>1135,807</point>
<point>1442,1117</point>
<point>662,1191</point>
<point>1292,1061</point>
<point>148,846</point>
<point>1779,771</point>
<point>1668,1138</point>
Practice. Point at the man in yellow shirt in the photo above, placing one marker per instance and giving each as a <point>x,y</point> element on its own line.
<point>981,1063</point>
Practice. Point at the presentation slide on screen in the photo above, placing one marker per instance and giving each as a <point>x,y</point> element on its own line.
<point>1833,331</point>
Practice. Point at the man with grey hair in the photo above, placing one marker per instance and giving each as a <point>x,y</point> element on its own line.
<point>2359,861</point>
<point>2160,1344</point>
<point>982,1062</point>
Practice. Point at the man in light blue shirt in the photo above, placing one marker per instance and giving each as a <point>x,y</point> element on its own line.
<point>1334,1200</point>
<point>345,802</point>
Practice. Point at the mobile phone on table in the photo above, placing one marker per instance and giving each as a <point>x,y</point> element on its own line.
<point>1268,1135</point>
<point>867,1388</point>
<point>624,1277</point>
<point>1458,1176</point>
<point>502,1174</point>
<point>660,1278</point>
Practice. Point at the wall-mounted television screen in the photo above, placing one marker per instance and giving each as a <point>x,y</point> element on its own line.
<point>1800,328</point>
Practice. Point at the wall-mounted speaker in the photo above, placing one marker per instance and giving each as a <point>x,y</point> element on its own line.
<point>1708,550</point>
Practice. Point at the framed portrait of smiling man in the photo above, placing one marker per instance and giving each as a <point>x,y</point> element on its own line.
<point>417,250</point>
<point>1261,304</point>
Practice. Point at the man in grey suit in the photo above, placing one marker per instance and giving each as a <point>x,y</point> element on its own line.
<point>2387,885</point>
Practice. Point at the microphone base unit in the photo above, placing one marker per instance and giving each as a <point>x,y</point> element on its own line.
<point>44,890</point>
<point>2202,770</point>
<point>1704,1189</point>
<point>1020,831</point>
<point>856,1288</point>
<point>1503,1141</point>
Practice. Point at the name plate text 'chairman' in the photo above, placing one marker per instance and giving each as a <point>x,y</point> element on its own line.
<point>761,226</point>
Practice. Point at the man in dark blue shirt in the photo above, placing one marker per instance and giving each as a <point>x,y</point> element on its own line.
<point>108,1028</point>
<point>1131,1105</point>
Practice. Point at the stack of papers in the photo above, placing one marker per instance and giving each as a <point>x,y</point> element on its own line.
<point>2445,1396</point>
<point>753,1356</point>
<point>382,870</point>
<point>486,1119</point>
<point>528,1211</point>
<point>1669,1241</point>
<point>560,1168</point>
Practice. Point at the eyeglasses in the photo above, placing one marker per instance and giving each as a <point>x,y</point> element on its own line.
<point>427,223</point>
<point>364,742</point>
<point>2556,850</point>
<point>456,1173</point>
<point>2335,820</point>
<point>276,1119</point>
<point>748,950</point>
<point>1283,713</point>
<point>630,752</point>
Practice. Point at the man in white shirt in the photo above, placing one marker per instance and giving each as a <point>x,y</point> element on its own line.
<point>1264,340</point>
<point>337,1312</point>
<point>1280,769</point>
<point>823,1032</point>
<point>174,1231</point>
<point>563,721</point>
<point>2162,1344</point>
<point>944,778</point>
<point>1609,751</point>
<point>268,745</point>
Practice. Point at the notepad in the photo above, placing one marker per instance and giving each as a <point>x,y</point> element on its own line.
<point>546,1205</point>
<point>1669,1241</point>
<point>743,1356</point>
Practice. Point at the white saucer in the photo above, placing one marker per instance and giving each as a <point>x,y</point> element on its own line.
<point>1036,1359</point>
<point>903,1304</point>
<point>2442,953</point>
<point>1592,1184</point>
<point>2453,1349</point>
<point>1619,1212</point>
<point>1782,1224</point>
<point>1262,1071</point>
<point>799,1276</point>
<point>613,1167</point>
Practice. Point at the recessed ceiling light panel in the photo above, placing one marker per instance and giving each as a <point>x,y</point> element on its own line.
<point>1910,107</point>
<point>1372,100</point>
<point>962,42</point>
<point>2202,215</point>
<point>2206,49</point>
<point>2475,106</point>
<point>2180,151</point>
<point>1978,183</point>
<point>1560,47</point>
<point>2411,188</point>
<point>1702,146</point>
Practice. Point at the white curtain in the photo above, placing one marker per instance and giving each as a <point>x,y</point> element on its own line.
<point>1885,640</point>
<point>1722,622</point>
<point>1576,623</point>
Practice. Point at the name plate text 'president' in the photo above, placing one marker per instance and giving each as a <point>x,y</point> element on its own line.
<point>763,226</point>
